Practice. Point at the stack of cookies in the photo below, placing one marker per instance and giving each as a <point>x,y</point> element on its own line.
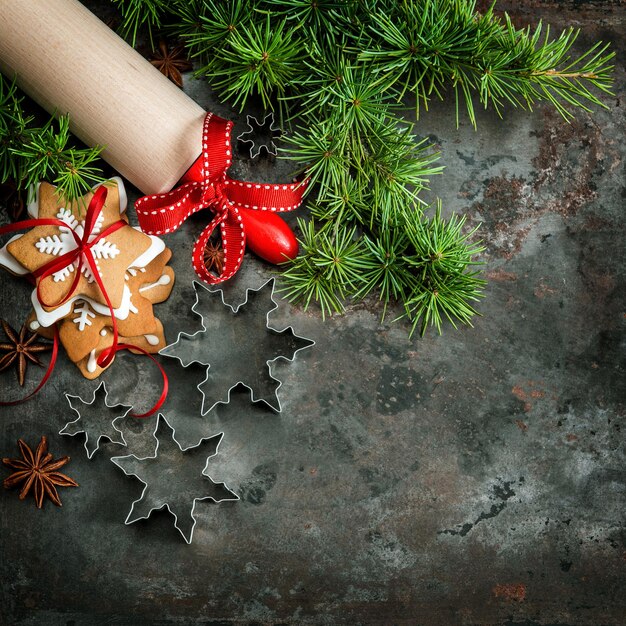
<point>132,267</point>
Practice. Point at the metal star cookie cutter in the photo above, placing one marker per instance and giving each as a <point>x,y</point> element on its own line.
<point>173,486</point>
<point>90,422</point>
<point>239,346</point>
<point>265,131</point>
<point>183,409</point>
<point>235,289</point>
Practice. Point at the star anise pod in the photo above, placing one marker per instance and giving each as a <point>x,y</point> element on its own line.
<point>20,350</point>
<point>214,257</point>
<point>38,469</point>
<point>171,62</point>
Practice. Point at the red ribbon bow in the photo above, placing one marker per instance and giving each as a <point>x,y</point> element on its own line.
<point>165,213</point>
<point>80,252</point>
<point>76,255</point>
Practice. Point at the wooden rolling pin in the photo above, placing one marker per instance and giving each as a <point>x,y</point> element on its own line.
<point>68,61</point>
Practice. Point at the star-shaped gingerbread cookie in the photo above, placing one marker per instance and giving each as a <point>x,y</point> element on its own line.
<point>80,331</point>
<point>151,342</point>
<point>113,254</point>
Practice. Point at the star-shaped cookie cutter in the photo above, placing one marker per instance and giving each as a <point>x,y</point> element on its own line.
<point>91,423</point>
<point>172,477</point>
<point>225,362</point>
<point>261,135</point>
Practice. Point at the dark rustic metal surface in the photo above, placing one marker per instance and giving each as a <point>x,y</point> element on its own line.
<point>473,478</point>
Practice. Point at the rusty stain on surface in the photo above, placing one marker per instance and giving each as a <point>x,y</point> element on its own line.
<point>523,426</point>
<point>501,276</point>
<point>542,290</point>
<point>515,592</point>
<point>529,391</point>
<point>571,155</point>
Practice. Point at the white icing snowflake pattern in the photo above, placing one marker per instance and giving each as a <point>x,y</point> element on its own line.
<point>85,315</point>
<point>64,242</point>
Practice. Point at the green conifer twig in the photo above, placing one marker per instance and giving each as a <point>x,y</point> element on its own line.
<point>30,153</point>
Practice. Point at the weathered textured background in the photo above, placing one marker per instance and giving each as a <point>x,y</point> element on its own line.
<point>473,478</point>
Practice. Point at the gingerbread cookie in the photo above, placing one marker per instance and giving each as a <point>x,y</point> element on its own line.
<point>113,254</point>
<point>131,265</point>
<point>35,327</point>
<point>80,331</point>
<point>151,342</point>
<point>160,289</point>
<point>137,276</point>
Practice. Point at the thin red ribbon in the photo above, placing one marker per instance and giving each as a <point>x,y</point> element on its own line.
<point>83,248</point>
<point>165,388</point>
<point>165,213</point>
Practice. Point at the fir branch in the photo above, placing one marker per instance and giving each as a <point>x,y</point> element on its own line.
<point>349,203</point>
<point>315,16</point>
<point>206,26</point>
<point>428,45</point>
<point>359,102</point>
<point>327,271</point>
<point>430,265</point>
<point>29,153</point>
<point>140,13</point>
<point>378,172</point>
<point>75,173</point>
<point>397,167</point>
<point>445,271</point>
<point>384,268</point>
<point>320,151</point>
<point>258,58</point>
<point>46,155</point>
<point>323,67</point>
<point>13,132</point>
